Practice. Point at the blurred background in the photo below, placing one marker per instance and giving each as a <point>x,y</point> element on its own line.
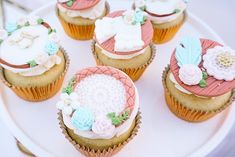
<point>219,14</point>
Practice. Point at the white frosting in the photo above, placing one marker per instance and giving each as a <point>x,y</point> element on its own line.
<point>18,50</point>
<point>116,56</point>
<point>127,37</point>
<point>91,13</point>
<point>162,7</point>
<point>102,94</point>
<point>190,74</point>
<point>223,68</point>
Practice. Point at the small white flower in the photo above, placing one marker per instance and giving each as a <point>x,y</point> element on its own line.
<point>22,21</point>
<point>140,3</point>
<point>103,127</point>
<point>41,59</point>
<point>68,103</point>
<point>33,20</point>
<point>190,74</point>
<point>53,37</point>
<point>3,34</point>
<point>128,16</point>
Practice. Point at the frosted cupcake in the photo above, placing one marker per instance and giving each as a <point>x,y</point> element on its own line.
<point>78,16</point>
<point>167,16</point>
<point>200,81</point>
<point>99,111</point>
<point>32,62</point>
<point>123,40</point>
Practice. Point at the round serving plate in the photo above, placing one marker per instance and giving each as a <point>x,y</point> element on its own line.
<point>35,125</point>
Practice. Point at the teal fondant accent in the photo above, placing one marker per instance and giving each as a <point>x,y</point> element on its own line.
<point>139,17</point>
<point>83,119</point>
<point>51,48</point>
<point>189,51</point>
<point>11,27</point>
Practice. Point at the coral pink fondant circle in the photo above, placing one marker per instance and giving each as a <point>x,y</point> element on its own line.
<point>147,34</point>
<point>80,4</point>
<point>214,87</point>
<point>126,81</point>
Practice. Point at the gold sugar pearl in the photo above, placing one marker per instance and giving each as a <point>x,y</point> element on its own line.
<point>225,59</point>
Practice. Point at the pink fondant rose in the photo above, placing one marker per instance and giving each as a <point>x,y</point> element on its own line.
<point>190,74</point>
<point>103,127</point>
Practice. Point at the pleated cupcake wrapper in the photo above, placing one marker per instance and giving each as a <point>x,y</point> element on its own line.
<point>35,94</point>
<point>79,32</point>
<point>89,152</point>
<point>23,149</point>
<point>163,35</point>
<point>133,73</point>
<point>186,113</point>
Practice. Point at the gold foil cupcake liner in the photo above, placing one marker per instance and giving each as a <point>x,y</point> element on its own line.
<point>79,32</point>
<point>163,35</point>
<point>36,93</point>
<point>89,152</point>
<point>133,73</point>
<point>188,114</point>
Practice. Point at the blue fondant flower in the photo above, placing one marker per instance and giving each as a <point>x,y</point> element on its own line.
<point>11,27</point>
<point>83,119</point>
<point>139,17</point>
<point>51,48</point>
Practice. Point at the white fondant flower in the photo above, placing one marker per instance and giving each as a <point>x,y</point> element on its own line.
<point>53,37</point>
<point>56,59</point>
<point>3,34</point>
<point>42,58</point>
<point>33,20</point>
<point>22,21</point>
<point>220,63</point>
<point>190,74</point>
<point>140,4</point>
<point>103,127</point>
<point>68,103</point>
<point>128,16</point>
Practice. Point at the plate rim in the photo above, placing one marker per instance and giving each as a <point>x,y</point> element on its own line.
<point>204,150</point>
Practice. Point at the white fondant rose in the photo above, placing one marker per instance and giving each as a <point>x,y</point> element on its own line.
<point>103,127</point>
<point>53,37</point>
<point>33,20</point>
<point>128,16</point>
<point>68,103</point>
<point>41,59</point>
<point>220,63</point>
<point>3,34</point>
<point>140,3</point>
<point>190,74</point>
<point>22,21</point>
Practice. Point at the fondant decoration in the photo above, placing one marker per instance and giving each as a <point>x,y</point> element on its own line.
<point>126,31</point>
<point>117,120</point>
<point>11,27</point>
<point>188,55</point>
<point>70,86</point>
<point>103,127</point>
<point>68,103</point>
<point>219,62</point>
<point>51,48</point>
<point>83,119</point>
<point>80,5</point>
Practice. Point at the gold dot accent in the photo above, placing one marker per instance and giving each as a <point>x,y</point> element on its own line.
<point>225,60</point>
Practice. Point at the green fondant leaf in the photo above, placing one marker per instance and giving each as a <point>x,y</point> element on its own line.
<point>202,83</point>
<point>177,10</point>
<point>69,3</point>
<point>117,120</point>
<point>69,88</point>
<point>204,75</point>
<point>1,41</point>
<point>27,24</point>
<point>19,26</point>
<point>111,115</point>
<point>50,31</point>
<point>32,63</point>
<point>40,21</point>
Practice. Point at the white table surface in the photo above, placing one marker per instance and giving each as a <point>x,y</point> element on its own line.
<point>219,14</point>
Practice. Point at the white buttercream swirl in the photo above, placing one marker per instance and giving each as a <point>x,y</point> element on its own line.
<point>161,7</point>
<point>220,63</point>
<point>91,13</point>
<point>190,74</point>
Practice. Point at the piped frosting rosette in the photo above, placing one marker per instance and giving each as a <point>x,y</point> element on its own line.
<point>203,67</point>
<point>123,34</point>
<point>161,11</point>
<point>29,47</point>
<point>99,103</point>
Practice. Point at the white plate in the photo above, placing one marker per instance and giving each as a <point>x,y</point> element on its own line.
<point>161,133</point>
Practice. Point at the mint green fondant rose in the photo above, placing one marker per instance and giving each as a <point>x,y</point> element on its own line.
<point>51,48</point>
<point>11,27</point>
<point>83,119</point>
<point>139,17</point>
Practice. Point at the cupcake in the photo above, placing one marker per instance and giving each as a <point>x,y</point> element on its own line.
<point>123,40</point>
<point>200,81</point>
<point>99,111</point>
<point>166,16</point>
<point>32,62</point>
<point>78,16</point>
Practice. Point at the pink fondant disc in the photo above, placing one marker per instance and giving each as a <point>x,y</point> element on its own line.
<point>147,34</point>
<point>80,4</point>
<point>214,87</point>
